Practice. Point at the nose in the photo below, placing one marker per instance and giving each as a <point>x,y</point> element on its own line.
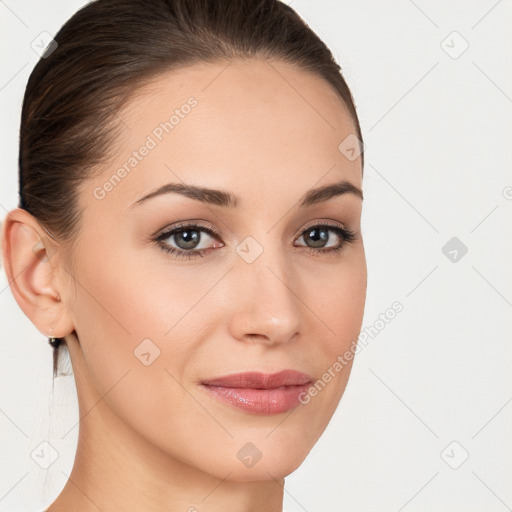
<point>265,303</point>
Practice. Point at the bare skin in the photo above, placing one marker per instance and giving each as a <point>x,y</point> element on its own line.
<point>150,437</point>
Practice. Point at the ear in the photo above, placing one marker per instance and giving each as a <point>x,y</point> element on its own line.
<point>30,259</point>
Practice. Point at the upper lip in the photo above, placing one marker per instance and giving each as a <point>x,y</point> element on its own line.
<point>259,380</point>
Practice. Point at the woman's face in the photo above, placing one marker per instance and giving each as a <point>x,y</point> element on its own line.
<point>254,288</point>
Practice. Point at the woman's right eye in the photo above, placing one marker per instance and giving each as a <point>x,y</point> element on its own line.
<point>188,238</point>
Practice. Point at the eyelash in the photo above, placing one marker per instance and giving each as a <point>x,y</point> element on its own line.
<point>346,235</point>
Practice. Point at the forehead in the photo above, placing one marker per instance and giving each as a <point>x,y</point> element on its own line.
<point>240,124</point>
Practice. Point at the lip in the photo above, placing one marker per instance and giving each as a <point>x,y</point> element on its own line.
<point>260,393</point>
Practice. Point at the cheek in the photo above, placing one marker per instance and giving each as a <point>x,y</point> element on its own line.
<point>138,318</point>
<point>337,296</point>
<point>135,298</point>
<point>340,308</point>
<point>128,313</point>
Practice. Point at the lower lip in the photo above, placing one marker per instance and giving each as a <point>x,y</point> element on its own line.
<point>260,401</point>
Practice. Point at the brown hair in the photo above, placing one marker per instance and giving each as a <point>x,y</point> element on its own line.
<point>111,47</point>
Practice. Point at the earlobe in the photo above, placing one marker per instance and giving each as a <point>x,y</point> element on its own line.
<point>27,254</point>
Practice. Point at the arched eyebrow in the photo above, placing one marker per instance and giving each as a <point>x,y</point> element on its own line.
<point>229,200</point>
<point>317,195</point>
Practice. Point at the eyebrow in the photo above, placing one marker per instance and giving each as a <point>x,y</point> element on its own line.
<point>229,200</point>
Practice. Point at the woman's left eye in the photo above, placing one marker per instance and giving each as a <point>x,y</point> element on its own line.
<point>318,235</point>
<point>189,237</point>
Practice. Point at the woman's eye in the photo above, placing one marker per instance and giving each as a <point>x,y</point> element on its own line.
<point>189,241</point>
<point>319,238</point>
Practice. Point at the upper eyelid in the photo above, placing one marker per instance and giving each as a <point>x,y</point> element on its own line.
<point>329,223</point>
<point>166,232</point>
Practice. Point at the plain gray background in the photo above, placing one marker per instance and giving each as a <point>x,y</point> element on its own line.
<point>425,422</point>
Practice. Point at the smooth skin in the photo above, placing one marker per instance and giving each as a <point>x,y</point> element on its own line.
<point>150,437</point>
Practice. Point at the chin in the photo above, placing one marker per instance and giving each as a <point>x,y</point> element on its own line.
<point>270,468</point>
<point>260,459</point>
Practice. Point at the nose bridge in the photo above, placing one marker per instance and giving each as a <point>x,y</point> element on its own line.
<point>267,305</point>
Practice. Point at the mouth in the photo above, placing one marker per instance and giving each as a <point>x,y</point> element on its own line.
<point>260,393</point>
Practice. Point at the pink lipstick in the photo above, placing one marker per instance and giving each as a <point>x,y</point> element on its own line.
<point>260,393</point>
